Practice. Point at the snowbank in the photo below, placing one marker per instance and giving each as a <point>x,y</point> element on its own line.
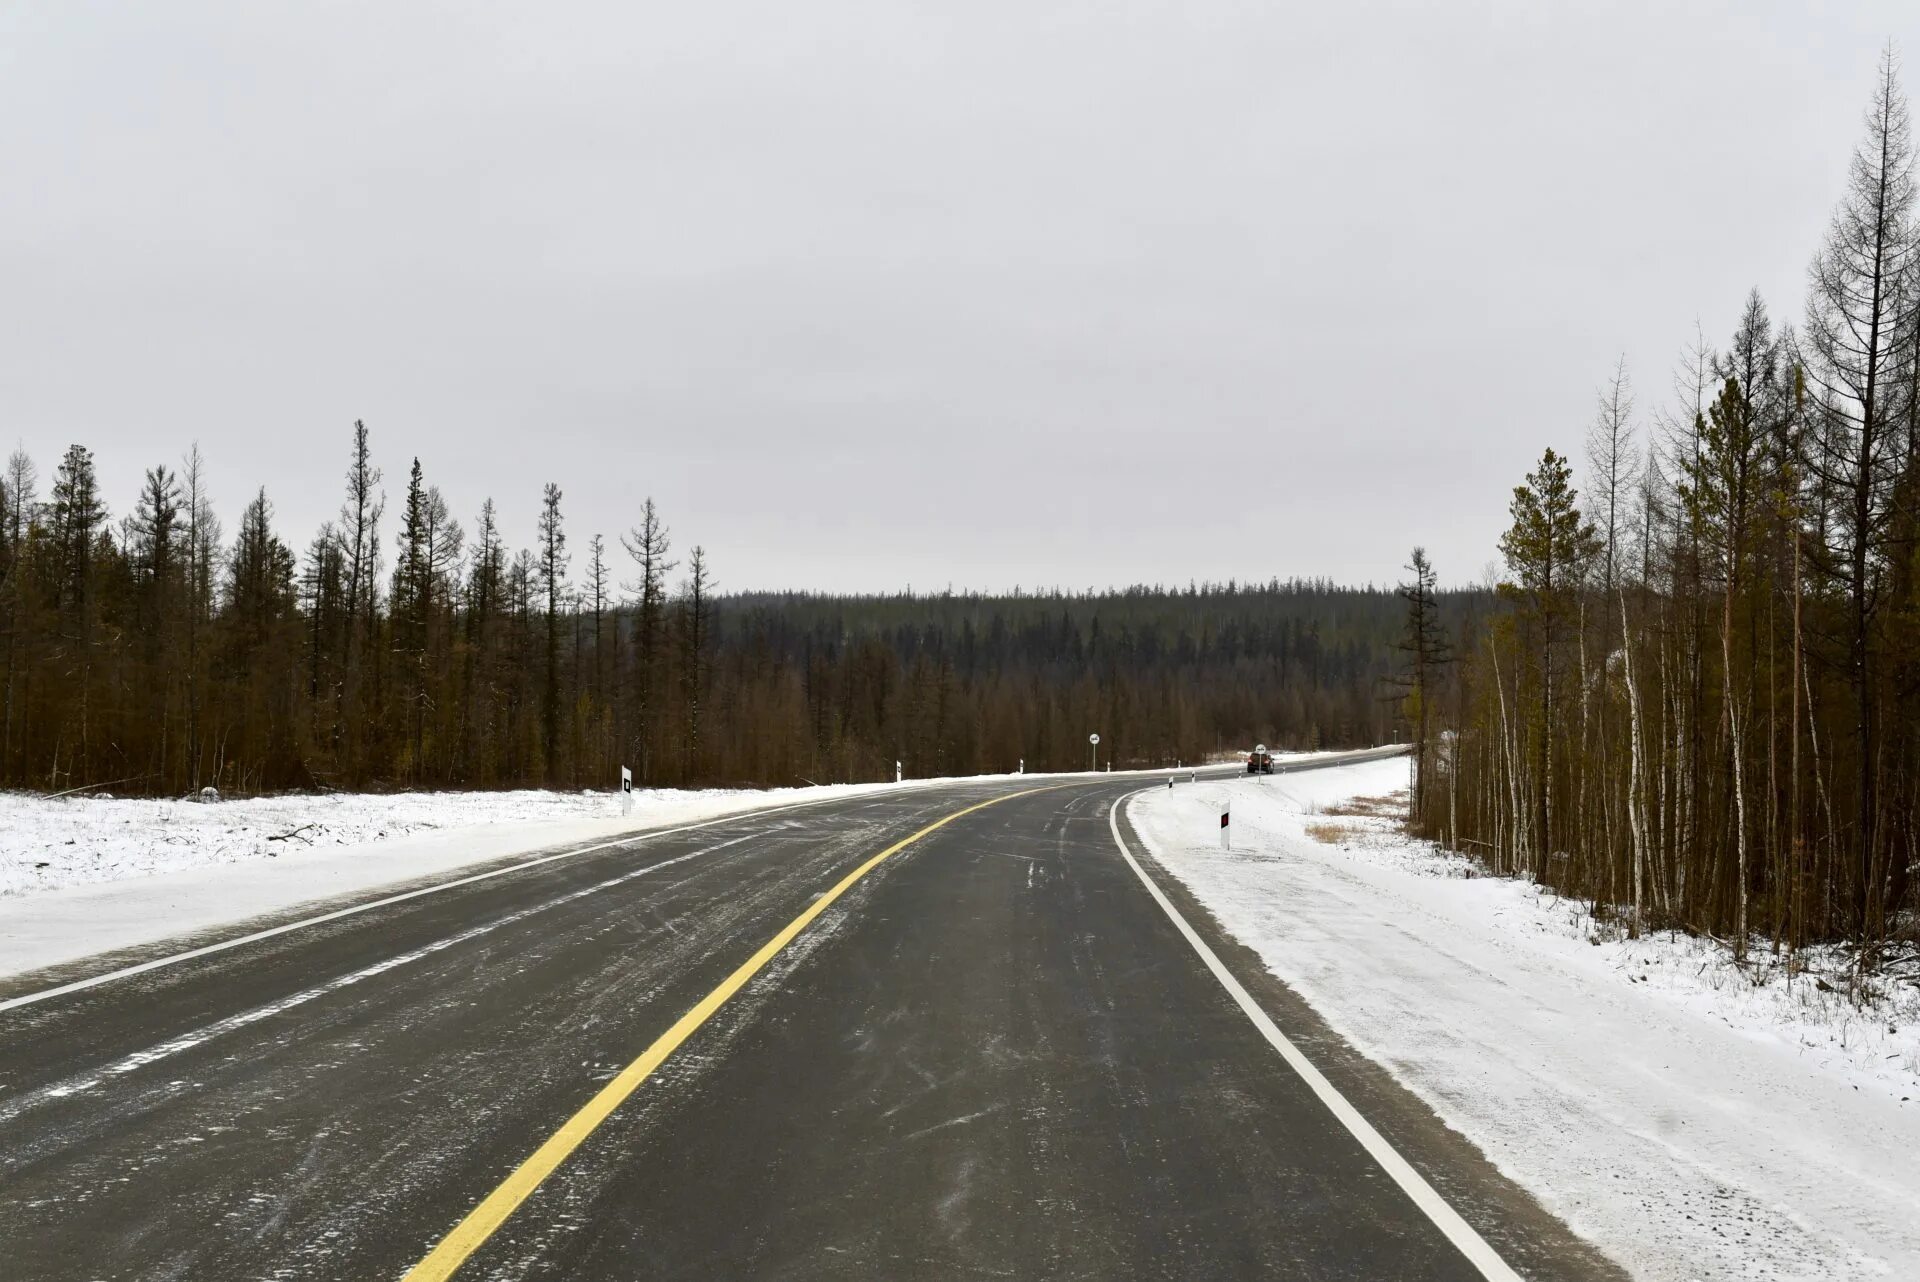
<point>1690,1123</point>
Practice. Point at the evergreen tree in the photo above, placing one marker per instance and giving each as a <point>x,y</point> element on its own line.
<point>359,538</point>
<point>1547,549</point>
<point>552,576</point>
<point>649,544</point>
<point>21,497</point>
<point>696,634</point>
<point>411,598</point>
<point>1426,651</point>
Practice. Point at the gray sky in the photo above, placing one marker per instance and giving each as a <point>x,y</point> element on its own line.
<point>870,294</point>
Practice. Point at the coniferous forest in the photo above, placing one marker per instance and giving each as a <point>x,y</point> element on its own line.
<point>402,647</point>
<point>1698,704</point>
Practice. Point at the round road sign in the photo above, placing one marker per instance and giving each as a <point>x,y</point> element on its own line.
<point>1093,738</point>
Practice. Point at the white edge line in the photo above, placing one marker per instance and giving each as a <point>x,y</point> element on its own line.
<point>633,838</point>
<point>157,963</point>
<point>1457,1231</point>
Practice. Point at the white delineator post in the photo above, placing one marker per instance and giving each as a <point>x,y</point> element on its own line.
<point>1023,766</point>
<point>1226,832</point>
<point>896,772</point>
<point>626,791</point>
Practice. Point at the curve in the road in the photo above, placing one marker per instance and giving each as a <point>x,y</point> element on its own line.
<point>980,1050</point>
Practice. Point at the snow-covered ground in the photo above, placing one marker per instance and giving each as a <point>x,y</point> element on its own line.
<point>1692,1124</point>
<point>47,843</point>
<point>82,875</point>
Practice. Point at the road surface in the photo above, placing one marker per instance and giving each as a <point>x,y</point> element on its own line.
<point>992,1053</point>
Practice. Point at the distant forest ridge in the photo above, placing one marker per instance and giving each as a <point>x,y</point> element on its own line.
<point>152,654</point>
<point>1019,592</point>
<point>1162,675</point>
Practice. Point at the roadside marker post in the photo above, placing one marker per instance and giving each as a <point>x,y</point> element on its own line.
<point>1226,833</point>
<point>896,772</point>
<point>626,791</point>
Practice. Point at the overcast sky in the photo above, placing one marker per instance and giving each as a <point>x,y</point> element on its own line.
<point>878,294</point>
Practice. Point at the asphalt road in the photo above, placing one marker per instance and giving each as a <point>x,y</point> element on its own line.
<point>993,1055</point>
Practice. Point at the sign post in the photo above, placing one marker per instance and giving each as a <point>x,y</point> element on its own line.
<point>1093,753</point>
<point>626,791</point>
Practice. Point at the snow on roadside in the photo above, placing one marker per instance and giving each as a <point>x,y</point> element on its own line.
<point>125,873</point>
<point>47,843</point>
<point>1691,1124</point>
<point>80,876</point>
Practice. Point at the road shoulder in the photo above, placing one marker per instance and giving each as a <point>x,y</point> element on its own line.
<point>1533,1241</point>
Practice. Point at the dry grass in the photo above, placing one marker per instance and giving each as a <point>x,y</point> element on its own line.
<point>1332,834</point>
<point>1391,806</point>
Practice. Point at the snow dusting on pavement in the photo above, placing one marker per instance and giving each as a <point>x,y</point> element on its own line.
<point>1691,1123</point>
<point>81,876</point>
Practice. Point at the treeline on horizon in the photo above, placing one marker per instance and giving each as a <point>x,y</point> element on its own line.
<point>1700,707</point>
<point>402,649</point>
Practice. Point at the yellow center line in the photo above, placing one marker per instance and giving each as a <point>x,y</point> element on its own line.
<point>481,1223</point>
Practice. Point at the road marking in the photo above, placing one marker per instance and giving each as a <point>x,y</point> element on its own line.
<point>1457,1231</point>
<point>481,1223</point>
<point>83,1082</point>
<point>631,839</point>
